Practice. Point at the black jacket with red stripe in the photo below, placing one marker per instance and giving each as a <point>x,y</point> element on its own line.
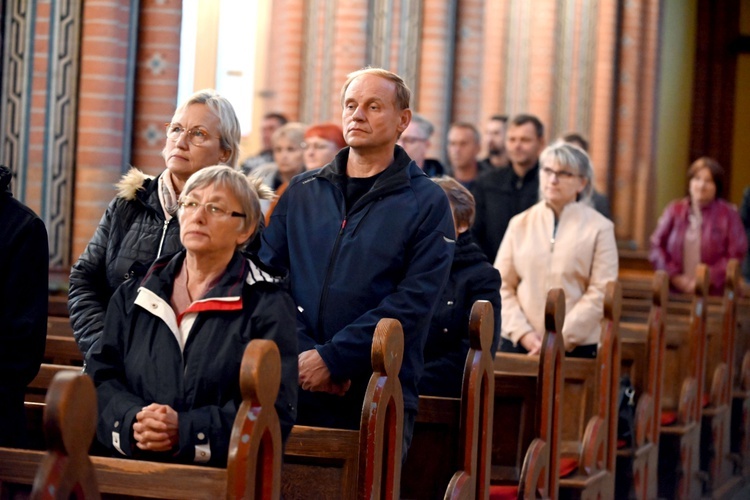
<point>140,358</point>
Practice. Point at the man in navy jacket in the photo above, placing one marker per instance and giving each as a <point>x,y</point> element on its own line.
<point>366,237</point>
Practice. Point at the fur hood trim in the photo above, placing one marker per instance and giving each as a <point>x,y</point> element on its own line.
<point>131,183</point>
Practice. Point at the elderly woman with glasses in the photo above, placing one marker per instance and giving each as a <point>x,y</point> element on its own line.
<point>167,365</point>
<point>139,225</point>
<point>561,242</point>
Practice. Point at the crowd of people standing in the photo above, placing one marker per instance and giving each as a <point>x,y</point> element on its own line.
<point>327,230</point>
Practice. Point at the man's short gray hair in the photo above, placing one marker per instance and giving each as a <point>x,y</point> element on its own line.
<point>403,93</point>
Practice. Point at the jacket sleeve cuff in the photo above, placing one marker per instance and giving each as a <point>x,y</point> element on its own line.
<point>194,430</point>
<point>335,363</point>
<point>118,433</point>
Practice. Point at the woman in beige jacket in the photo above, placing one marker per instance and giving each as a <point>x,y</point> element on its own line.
<point>561,242</point>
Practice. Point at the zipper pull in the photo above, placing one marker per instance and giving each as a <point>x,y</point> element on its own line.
<point>343,225</point>
<point>552,245</point>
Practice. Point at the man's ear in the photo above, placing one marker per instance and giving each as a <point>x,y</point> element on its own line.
<point>405,120</point>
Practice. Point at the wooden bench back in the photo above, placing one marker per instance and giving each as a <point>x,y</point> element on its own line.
<point>526,427</point>
<point>685,355</point>
<point>338,463</point>
<point>642,359</point>
<point>589,419</point>
<point>473,480</point>
<point>255,446</point>
<point>70,417</point>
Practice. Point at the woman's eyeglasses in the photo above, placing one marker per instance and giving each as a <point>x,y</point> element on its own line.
<point>190,206</point>
<point>560,174</point>
<point>196,135</point>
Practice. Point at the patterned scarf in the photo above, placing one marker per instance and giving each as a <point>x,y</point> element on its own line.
<point>167,195</point>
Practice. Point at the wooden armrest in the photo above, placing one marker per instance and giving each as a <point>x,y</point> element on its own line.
<point>645,420</point>
<point>594,446</point>
<point>688,409</point>
<point>535,472</point>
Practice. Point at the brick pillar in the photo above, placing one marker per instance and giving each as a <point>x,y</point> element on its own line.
<point>157,61</point>
<point>467,79</point>
<point>286,49</point>
<point>436,71</point>
<point>103,145</point>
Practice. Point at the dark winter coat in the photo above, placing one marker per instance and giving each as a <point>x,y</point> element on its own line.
<point>500,194</point>
<point>138,360</point>
<point>132,231</point>
<point>24,274</point>
<point>472,278</point>
<point>387,257</point>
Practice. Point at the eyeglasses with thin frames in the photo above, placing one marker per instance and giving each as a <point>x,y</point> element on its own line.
<point>196,135</point>
<point>191,206</point>
<point>561,175</point>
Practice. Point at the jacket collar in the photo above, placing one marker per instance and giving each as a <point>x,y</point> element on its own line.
<point>160,277</point>
<point>397,176</point>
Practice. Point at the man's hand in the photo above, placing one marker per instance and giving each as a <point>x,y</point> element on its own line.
<point>314,375</point>
<point>532,343</point>
<point>156,428</point>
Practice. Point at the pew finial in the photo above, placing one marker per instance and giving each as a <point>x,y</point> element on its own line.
<point>660,289</point>
<point>481,325</point>
<point>702,280</point>
<point>260,372</point>
<point>554,311</point>
<point>613,301</point>
<point>69,424</point>
<point>733,277</point>
<point>388,347</point>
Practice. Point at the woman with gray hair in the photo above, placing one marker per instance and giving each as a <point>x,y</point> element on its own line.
<point>166,368</point>
<point>561,242</point>
<point>139,225</point>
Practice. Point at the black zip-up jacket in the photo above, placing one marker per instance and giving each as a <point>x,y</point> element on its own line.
<point>472,278</point>
<point>132,230</point>
<point>24,262</point>
<point>139,361</point>
<point>387,257</point>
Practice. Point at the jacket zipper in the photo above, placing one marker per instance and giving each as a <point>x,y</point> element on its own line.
<point>163,237</point>
<point>334,254</point>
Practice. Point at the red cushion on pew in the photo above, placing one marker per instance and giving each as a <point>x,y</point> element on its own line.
<point>567,466</point>
<point>706,400</point>
<point>668,417</point>
<point>621,444</point>
<point>503,492</point>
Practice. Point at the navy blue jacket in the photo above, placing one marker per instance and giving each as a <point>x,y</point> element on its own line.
<point>387,257</point>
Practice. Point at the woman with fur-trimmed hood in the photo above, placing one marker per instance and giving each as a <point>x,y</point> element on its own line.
<point>139,225</point>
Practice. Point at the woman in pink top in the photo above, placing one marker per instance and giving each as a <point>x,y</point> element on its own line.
<point>701,228</point>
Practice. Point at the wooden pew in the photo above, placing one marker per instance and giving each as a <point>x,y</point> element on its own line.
<point>589,415</point>
<point>254,460</point>
<point>57,305</point>
<point>61,347</point>
<point>526,427</point>
<point>684,375</point>
<point>642,359</point>
<point>347,464</point>
<point>740,436</point>
<point>456,429</point>
<point>721,324</point>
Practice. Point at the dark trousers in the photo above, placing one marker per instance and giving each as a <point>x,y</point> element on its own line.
<point>582,351</point>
